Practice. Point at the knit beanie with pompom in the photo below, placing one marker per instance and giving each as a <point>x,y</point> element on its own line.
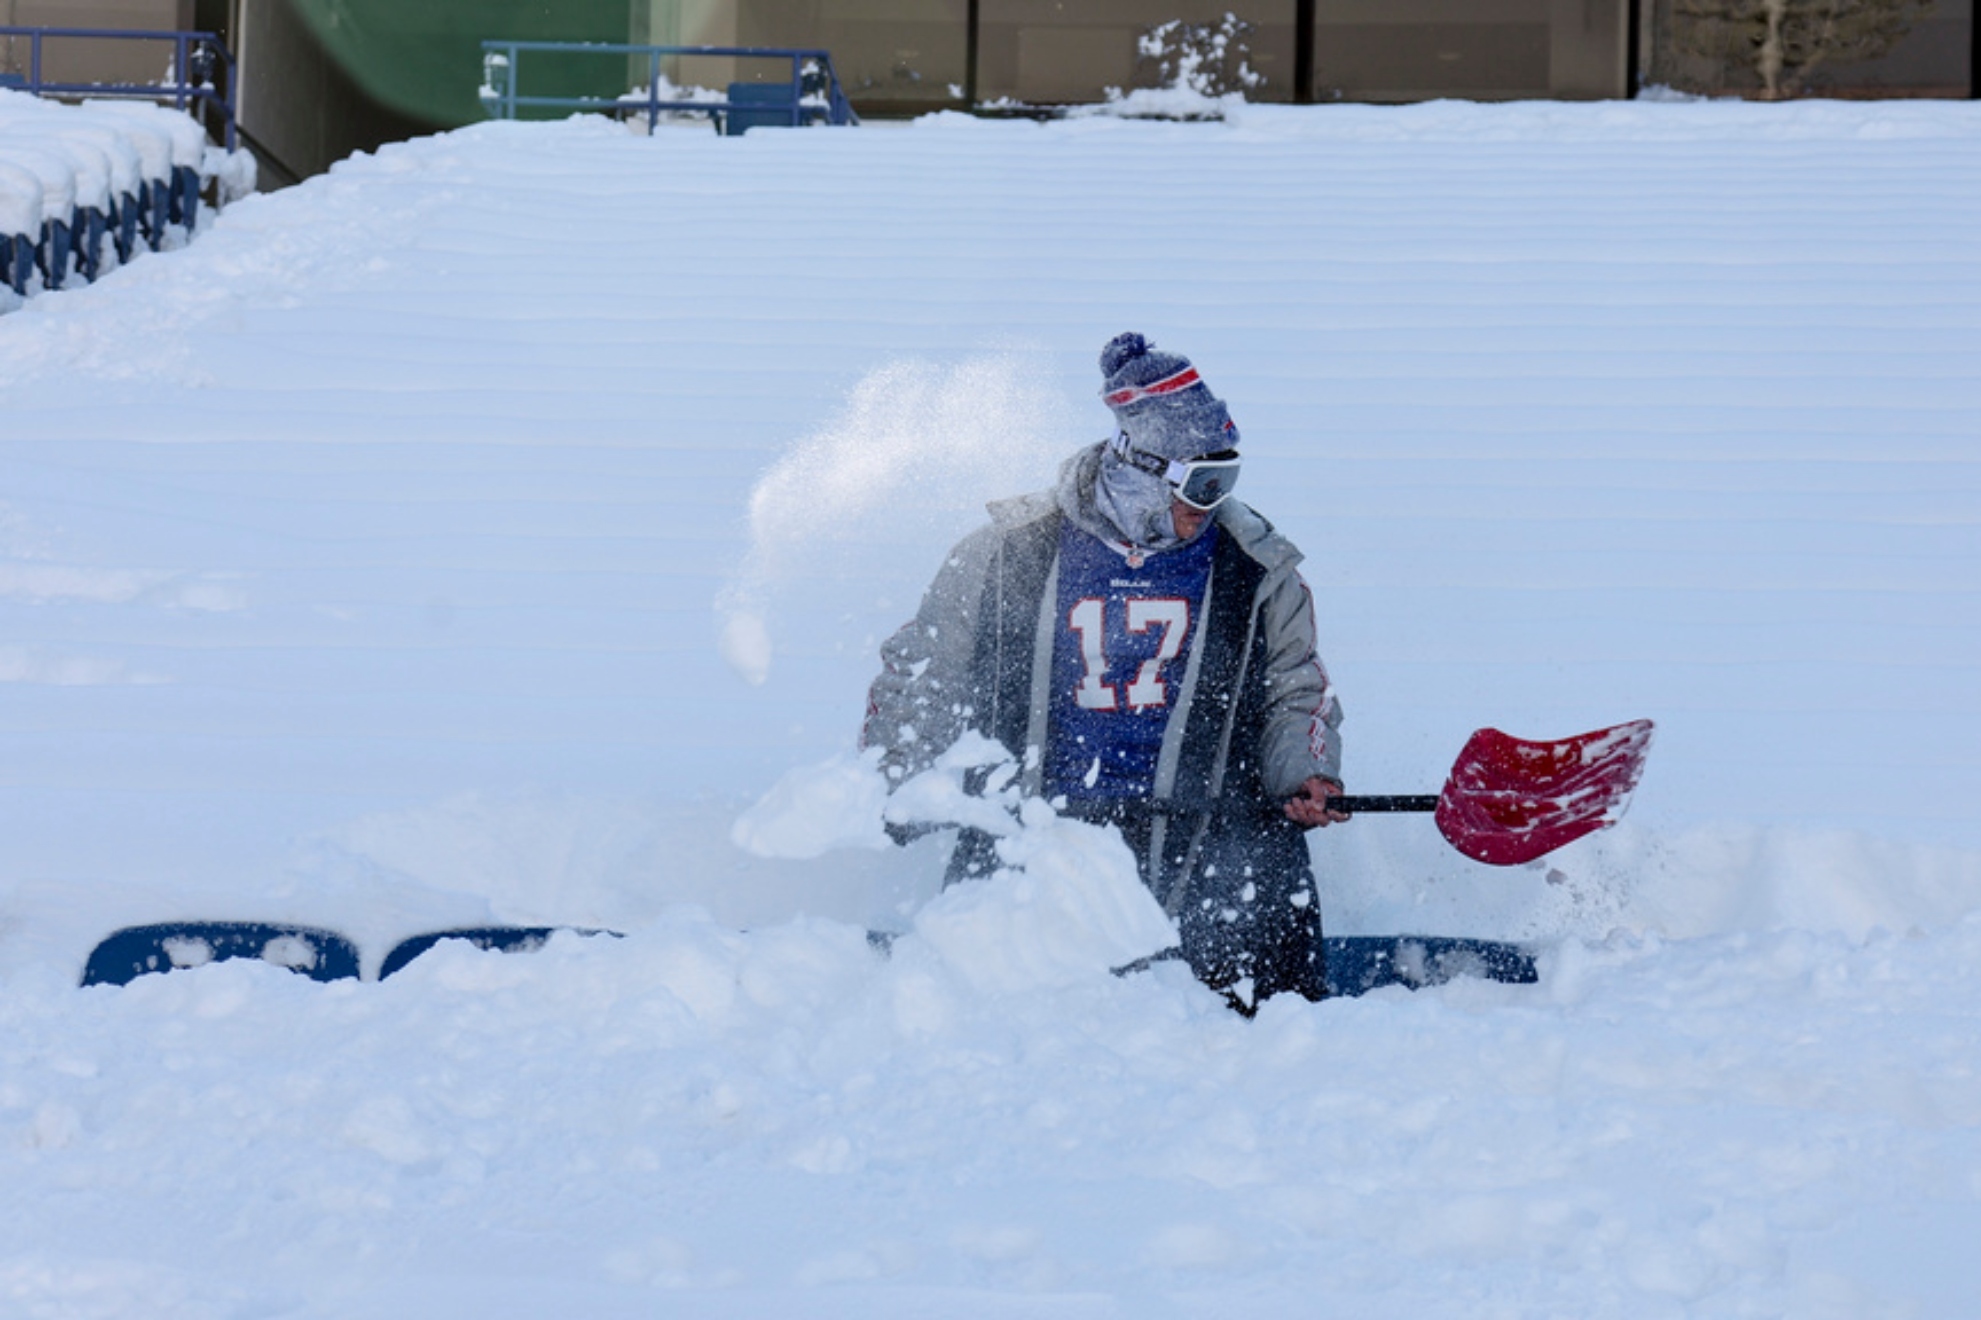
<point>1161,402</point>
<point>1163,409</point>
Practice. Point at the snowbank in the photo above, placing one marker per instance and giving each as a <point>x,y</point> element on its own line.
<point>747,1124</point>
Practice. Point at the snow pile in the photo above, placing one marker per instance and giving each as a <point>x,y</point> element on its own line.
<point>20,199</point>
<point>1178,102</point>
<point>41,179</point>
<point>783,1121</point>
<point>663,89</point>
<point>1203,71</point>
<point>234,173</point>
<point>815,809</point>
<point>1066,903</point>
<point>1066,906</point>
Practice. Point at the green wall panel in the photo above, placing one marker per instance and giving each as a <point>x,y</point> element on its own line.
<point>424,58</point>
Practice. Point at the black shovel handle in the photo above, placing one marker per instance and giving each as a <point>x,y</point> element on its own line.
<point>1185,806</point>
<point>1114,811</point>
<point>1387,802</point>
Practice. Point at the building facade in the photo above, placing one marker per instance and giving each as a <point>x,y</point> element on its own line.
<point>928,53</point>
<point>318,79</point>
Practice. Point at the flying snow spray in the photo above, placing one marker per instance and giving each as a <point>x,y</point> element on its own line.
<point>918,449</point>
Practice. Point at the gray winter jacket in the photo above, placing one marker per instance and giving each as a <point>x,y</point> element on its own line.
<point>1255,718</point>
<point>978,655</point>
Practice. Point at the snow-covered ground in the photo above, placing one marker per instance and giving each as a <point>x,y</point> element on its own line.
<point>475,533</point>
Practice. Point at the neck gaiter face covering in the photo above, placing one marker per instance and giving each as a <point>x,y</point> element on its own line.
<point>1137,503</point>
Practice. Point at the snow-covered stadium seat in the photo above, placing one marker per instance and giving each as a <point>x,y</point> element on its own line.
<point>186,143</point>
<point>125,955</point>
<point>72,176</point>
<point>58,204</point>
<point>20,224</point>
<point>153,144</point>
<point>125,166</point>
<point>135,156</point>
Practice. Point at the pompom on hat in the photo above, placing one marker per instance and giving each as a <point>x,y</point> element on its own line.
<point>1161,403</point>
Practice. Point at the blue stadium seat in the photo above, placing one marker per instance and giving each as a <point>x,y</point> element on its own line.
<point>157,211</point>
<point>761,105</point>
<point>1358,964</point>
<point>124,225</point>
<point>507,939</point>
<point>87,236</point>
<point>321,955</point>
<point>16,262</point>
<point>185,196</point>
<point>53,257</point>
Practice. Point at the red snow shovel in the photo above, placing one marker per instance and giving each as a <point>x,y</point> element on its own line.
<point>1509,800</point>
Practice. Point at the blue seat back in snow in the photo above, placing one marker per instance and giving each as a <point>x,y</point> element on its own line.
<point>505,939</point>
<point>1358,964</point>
<point>760,105</point>
<point>321,955</point>
<point>16,262</point>
<point>53,255</point>
<point>508,939</point>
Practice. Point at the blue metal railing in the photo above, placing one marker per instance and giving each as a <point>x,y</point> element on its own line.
<point>197,58</point>
<point>815,91</point>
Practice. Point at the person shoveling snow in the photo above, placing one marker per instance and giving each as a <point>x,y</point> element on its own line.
<point>1144,645</point>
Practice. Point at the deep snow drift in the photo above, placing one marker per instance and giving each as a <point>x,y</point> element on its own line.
<point>477,533</point>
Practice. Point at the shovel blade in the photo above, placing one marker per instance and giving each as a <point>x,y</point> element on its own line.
<point>1510,800</point>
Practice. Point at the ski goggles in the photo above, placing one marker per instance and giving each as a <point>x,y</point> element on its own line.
<point>1202,483</point>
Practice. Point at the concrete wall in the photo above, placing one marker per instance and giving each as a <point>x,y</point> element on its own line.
<point>902,52</point>
<point>1410,50</point>
<point>297,108</point>
<point>913,53</point>
<point>1044,51</point>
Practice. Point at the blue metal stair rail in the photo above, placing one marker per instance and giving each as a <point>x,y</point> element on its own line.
<point>501,78</point>
<point>197,57</point>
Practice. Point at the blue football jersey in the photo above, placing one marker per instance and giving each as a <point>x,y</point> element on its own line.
<point>1126,625</point>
